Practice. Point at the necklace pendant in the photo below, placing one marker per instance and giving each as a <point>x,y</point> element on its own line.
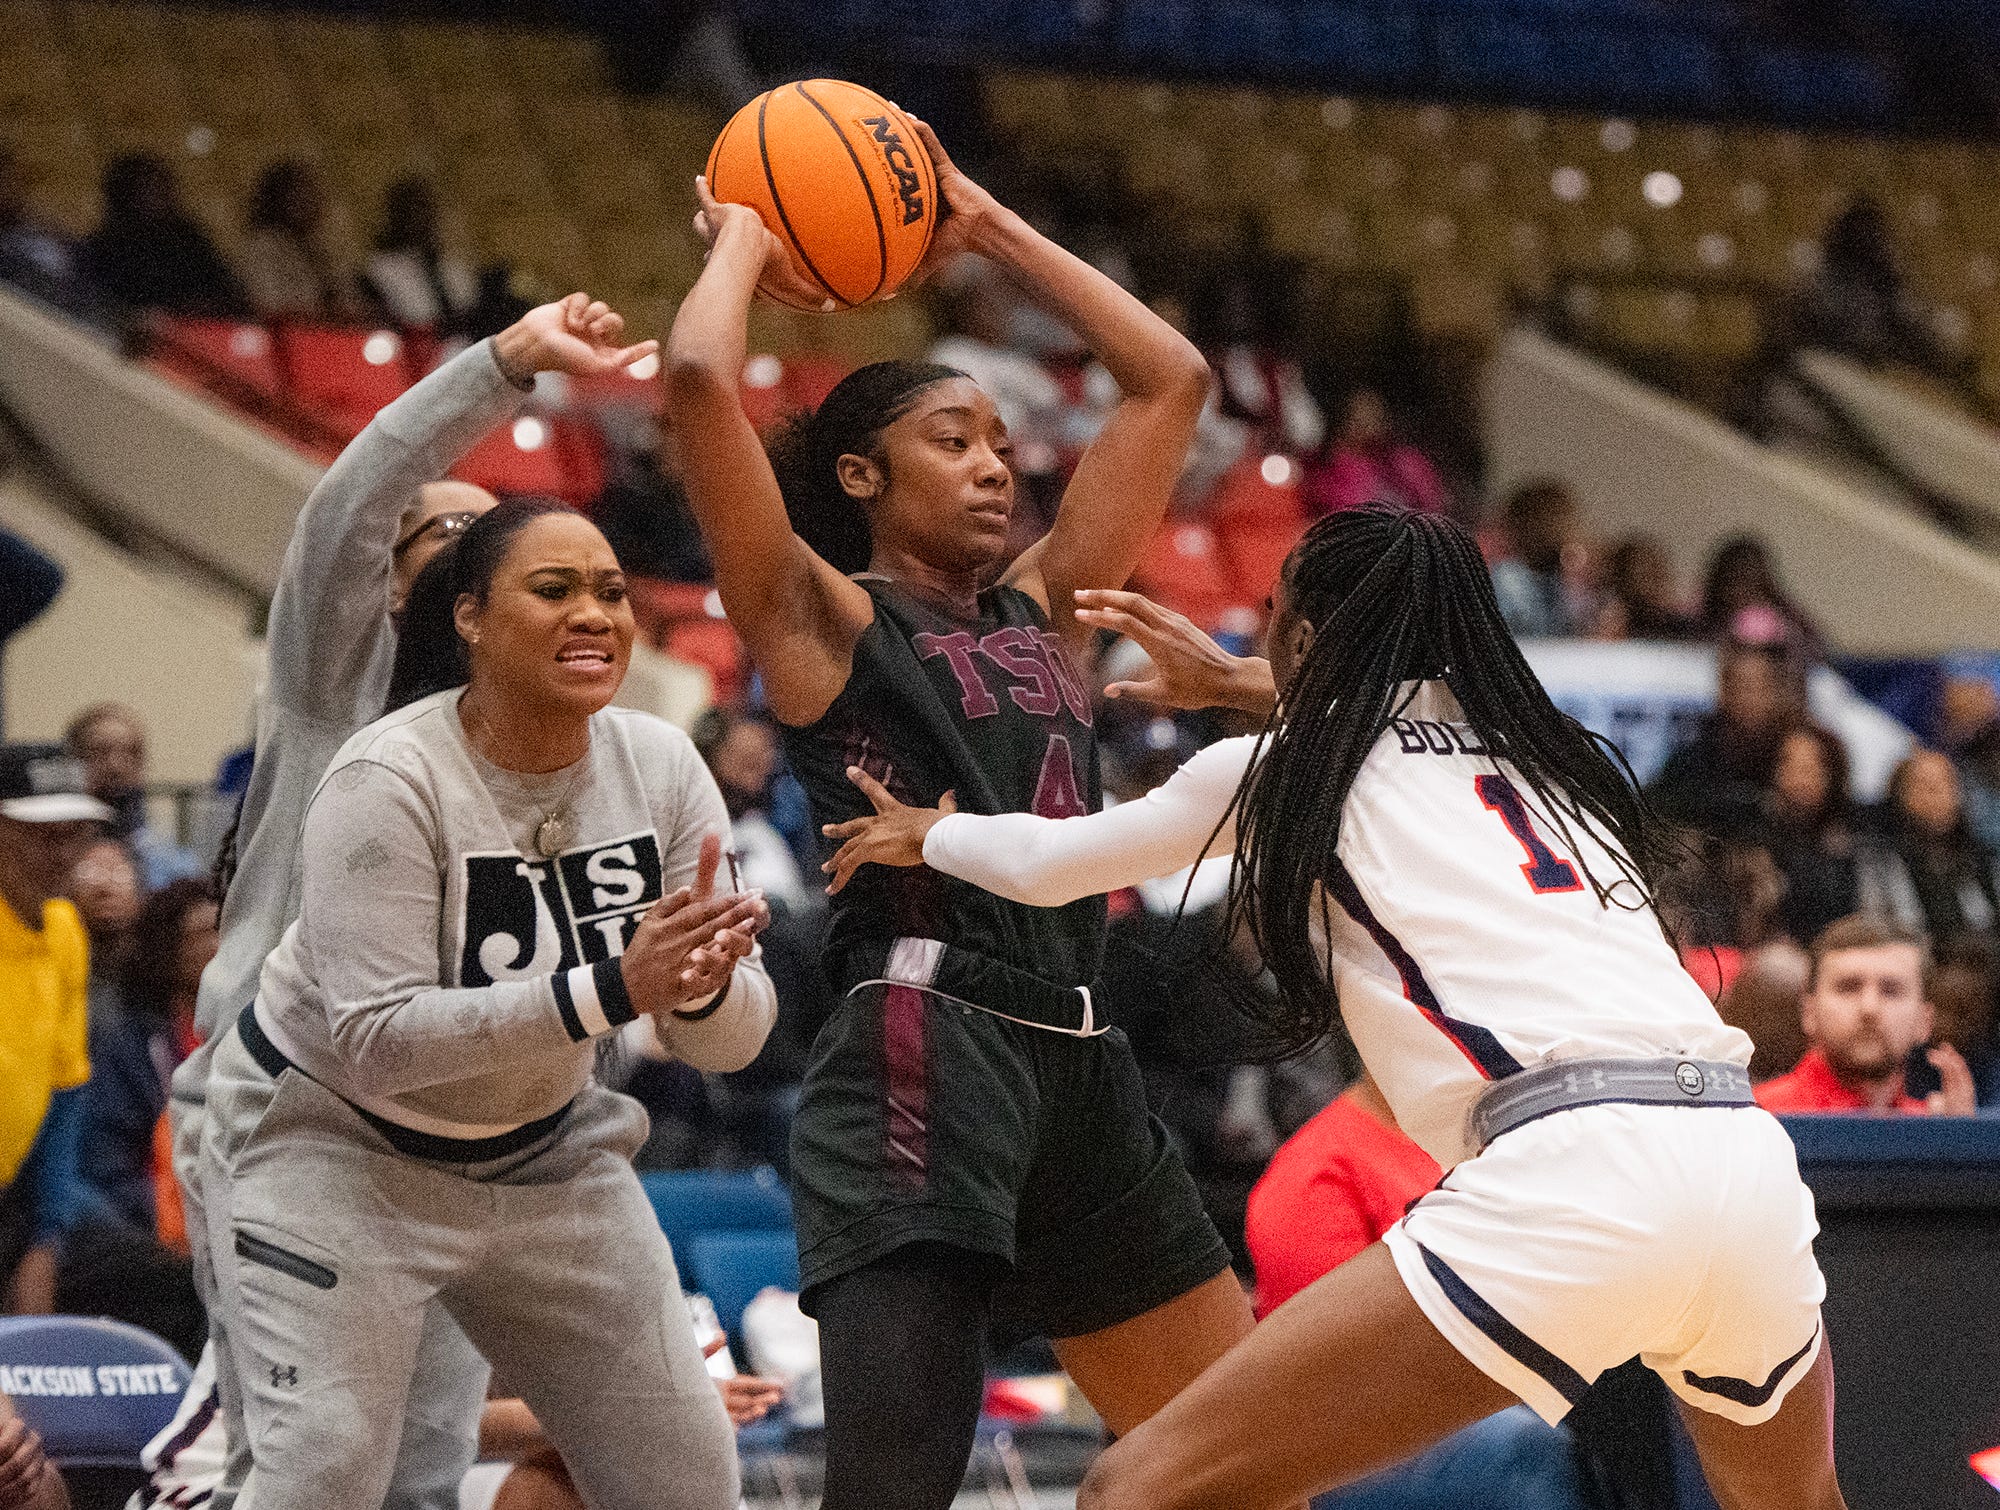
<point>550,836</point>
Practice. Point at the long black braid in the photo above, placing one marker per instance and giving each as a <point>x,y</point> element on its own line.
<point>1396,598</point>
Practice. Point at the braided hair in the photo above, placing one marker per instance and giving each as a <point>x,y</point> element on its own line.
<point>805,454</point>
<point>1397,598</point>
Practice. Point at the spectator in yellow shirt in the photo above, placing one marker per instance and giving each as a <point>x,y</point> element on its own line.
<point>46,819</point>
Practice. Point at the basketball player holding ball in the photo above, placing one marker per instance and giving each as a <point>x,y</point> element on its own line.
<point>973,1145</point>
<point>1427,846</point>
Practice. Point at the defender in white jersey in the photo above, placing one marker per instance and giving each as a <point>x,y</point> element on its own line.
<point>1483,923</point>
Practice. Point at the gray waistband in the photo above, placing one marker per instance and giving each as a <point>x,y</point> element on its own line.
<point>1569,1083</point>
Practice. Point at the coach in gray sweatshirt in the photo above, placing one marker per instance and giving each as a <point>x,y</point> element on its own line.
<point>494,875</point>
<point>374,520</point>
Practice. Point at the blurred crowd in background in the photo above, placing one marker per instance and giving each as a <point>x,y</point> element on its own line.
<point>1779,847</point>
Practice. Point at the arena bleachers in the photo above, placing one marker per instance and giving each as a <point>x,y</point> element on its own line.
<point>537,159</point>
<point>1662,235</point>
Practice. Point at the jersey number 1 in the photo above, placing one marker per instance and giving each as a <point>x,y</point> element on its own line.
<point>1546,870</point>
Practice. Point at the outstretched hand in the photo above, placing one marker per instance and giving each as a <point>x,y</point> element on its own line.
<point>1189,669</point>
<point>894,835</point>
<point>578,335</point>
<point>746,1397</point>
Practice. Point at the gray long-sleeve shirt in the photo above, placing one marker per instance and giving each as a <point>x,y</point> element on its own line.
<point>330,647</point>
<point>442,973</point>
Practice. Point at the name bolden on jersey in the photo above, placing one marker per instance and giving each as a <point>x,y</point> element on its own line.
<point>525,918</point>
<point>1424,736</point>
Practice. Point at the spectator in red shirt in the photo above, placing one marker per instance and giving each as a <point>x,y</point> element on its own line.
<point>1336,1186</point>
<point>1865,1011</point>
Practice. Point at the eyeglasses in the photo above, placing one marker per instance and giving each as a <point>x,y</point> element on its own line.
<point>446,525</point>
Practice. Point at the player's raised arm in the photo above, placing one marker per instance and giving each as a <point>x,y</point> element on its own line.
<point>1119,494</point>
<point>798,615</point>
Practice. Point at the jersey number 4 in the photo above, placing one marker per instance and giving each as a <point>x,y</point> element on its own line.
<point>1546,870</point>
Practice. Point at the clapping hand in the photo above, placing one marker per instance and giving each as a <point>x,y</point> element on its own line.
<point>687,945</point>
<point>24,1469</point>
<point>1956,1095</point>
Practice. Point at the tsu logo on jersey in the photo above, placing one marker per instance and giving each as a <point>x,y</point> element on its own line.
<point>525,917</point>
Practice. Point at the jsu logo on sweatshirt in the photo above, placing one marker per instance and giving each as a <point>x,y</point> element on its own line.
<point>525,917</point>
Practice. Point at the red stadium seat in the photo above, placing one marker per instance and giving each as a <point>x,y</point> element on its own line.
<point>661,606</point>
<point>774,388</point>
<point>1257,522</point>
<point>220,355</point>
<point>618,390</point>
<point>340,374</point>
<point>1254,550</point>
<point>553,457</point>
<point>1184,568</point>
<point>712,645</point>
<point>1244,495</point>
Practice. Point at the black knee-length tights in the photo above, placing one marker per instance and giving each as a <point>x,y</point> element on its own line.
<point>903,1365</point>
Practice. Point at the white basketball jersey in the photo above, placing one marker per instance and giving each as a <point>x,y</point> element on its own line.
<point>1468,943</point>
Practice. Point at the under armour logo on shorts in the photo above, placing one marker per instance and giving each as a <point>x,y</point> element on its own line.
<point>284,1375</point>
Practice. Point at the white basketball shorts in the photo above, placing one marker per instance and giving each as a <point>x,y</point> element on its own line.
<point>1678,1235</point>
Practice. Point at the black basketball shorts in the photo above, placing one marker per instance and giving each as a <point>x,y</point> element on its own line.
<point>925,1120</point>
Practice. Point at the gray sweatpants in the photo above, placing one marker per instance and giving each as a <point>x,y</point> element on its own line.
<point>330,1246</point>
<point>440,1438</point>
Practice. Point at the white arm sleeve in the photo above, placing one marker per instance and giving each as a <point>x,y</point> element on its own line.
<point>1047,862</point>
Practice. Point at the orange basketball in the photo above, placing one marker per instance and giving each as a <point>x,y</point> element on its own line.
<point>841,178</point>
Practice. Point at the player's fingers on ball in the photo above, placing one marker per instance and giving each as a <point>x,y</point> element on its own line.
<point>939,157</point>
